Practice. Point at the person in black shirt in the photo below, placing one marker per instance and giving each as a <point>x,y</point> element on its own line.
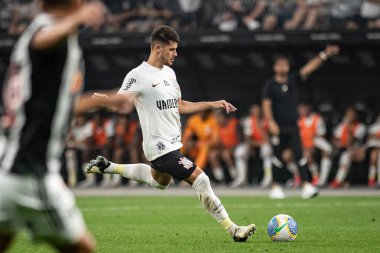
<point>280,100</point>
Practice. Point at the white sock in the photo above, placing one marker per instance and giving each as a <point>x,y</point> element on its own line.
<point>241,169</point>
<point>325,170</point>
<point>210,201</point>
<point>292,167</point>
<point>139,172</point>
<point>344,165</point>
<point>218,173</point>
<point>267,168</point>
<point>372,172</point>
<point>313,169</point>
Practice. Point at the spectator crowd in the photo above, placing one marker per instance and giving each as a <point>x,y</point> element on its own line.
<point>227,15</point>
<point>236,151</point>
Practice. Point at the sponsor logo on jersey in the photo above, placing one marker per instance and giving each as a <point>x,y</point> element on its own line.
<point>129,84</point>
<point>176,139</point>
<point>185,162</point>
<point>160,146</point>
<point>155,84</point>
<point>167,104</point>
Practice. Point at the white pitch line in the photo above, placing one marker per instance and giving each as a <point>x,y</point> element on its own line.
<point>239,206</point>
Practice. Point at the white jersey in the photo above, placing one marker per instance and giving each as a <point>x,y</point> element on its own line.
<point>157,94</point>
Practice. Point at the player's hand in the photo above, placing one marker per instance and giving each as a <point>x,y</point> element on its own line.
<point>223,104</point>
<point>331,50</point>
<point>91,14</point>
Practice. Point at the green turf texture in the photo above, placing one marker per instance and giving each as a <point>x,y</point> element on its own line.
<point>179,224</point>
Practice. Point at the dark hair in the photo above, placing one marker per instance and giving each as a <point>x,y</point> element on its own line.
<point>55,3</point>
<point>164,34</point>
<point>281,57</point>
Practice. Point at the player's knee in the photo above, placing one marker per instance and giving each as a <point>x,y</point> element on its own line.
<point>202,183</point>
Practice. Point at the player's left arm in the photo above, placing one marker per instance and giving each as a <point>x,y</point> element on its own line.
<point>186,107</point>
<point>318,60</point>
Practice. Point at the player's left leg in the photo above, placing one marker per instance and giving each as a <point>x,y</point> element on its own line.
<point>201,184</point>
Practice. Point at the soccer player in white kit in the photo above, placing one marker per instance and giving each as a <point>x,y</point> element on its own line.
<point>156,94</point>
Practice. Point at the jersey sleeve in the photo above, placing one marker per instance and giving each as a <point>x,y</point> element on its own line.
<point>131,84</point>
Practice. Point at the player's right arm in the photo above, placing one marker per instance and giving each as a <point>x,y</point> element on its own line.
<point>89,14</point>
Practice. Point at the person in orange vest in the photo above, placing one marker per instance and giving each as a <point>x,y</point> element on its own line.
<point>123,142</point>
<point>374,144</point>
<point>348,137</point>
<point>228,140</point>
<point>255,129</point>
<point>312,130</point>
<point>204,130</point>
<point>102,132</point>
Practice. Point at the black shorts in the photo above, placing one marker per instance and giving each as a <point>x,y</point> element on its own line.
<point>174,164</point>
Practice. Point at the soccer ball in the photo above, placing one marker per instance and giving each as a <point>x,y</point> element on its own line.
<point>282,227</point>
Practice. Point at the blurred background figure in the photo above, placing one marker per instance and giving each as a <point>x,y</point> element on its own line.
<point>256,143</point>
<point>345,14</point>
<point>200,141</point>
<point>77,149</point>
<point>280,97</point>
<point>229,137</point>
<point>373,143</point>
<point>313,132</point>
<point>348,139</point>
<point>370,11</point>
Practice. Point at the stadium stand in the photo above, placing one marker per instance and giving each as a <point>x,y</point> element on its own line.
<point>227,50</point>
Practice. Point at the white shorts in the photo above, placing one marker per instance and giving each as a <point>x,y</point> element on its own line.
<point>45,207</point>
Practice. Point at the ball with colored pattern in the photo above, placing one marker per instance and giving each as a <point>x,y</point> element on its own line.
<point>282,227</point>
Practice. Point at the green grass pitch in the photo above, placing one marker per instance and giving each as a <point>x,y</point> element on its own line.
<point>179,224</point>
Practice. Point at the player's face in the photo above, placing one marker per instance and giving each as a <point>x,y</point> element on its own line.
<point>168,53</point>
<point>281,66</point>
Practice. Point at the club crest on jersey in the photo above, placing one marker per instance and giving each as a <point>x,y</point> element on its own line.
<point>160,146</point>
<point>185,162</point>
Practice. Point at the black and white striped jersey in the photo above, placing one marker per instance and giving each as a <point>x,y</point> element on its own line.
<point>38,95</point>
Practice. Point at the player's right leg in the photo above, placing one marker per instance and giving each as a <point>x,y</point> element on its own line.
<point>139,172</point>
<point>201,184</point>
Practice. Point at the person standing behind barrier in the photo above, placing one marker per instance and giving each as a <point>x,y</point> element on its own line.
<point>280,97</point>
